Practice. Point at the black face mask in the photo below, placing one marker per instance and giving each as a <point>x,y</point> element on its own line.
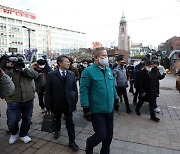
<point>8,67</point>
<point>121,65</point>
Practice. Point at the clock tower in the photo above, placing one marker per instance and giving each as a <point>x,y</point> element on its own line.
<point>123,40</point>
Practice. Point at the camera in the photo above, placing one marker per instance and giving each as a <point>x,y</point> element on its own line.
<point>17,62</point>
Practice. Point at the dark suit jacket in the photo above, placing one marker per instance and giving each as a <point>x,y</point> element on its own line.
<point>56,91</point>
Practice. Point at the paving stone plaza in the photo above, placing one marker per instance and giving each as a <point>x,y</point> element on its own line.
<point>132,134</point>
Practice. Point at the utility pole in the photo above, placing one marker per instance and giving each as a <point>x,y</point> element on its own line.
<point>29,37</point>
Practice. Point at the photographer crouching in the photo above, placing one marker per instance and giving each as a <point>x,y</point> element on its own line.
<point>20,103</point>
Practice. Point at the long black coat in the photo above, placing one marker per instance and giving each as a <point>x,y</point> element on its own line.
<point>155,77</point>
<point>56,92</point>
<point>144,82</point>
<point>148,82</point>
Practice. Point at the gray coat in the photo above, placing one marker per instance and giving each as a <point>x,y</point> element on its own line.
<point>120,76</point>
<point>6,86</point>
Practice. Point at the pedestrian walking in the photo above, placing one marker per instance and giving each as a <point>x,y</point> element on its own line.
<point>137,69</point>
<point>147,91</point>
<point>42,69</point>
<point>97,95</point>
<point>121,83</point>
<point>131,75</point>
<point>74,69</point>
<point>61,96</point>
<point>83,65</point>
<point>155,77</point>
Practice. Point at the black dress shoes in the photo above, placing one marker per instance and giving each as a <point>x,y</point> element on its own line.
<point>129,111</point>
<point>116,108</point>
<point>154,118</point>
<point>56,135</point>
<point>138,112</point>
<point>73,146</point>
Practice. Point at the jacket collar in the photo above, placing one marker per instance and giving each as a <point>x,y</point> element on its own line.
<point>98,67</point>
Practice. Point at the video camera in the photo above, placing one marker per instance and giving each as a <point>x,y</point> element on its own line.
<point>17,62</point>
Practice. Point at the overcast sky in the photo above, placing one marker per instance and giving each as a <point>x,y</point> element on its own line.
<point>149,21</point>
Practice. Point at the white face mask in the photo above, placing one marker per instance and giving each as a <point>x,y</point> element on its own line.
<point>84,65</point>
<point>41,66</point>
<point>148,69</point>
<point>104,62</point>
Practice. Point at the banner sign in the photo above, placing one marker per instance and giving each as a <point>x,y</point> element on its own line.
<point>16,12</point>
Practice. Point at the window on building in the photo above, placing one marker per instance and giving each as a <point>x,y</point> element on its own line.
<point>10,20</point>
<point>122,29</point>
<point>19,21</point>
<point>3,19</point>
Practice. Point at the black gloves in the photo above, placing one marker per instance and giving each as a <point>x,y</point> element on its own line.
<point>87,114</point>
<point>116,104</point>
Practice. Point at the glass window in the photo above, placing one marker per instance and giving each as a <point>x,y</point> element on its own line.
<point>19,21</point>
<point>3,19</point>
<point>10,20</point>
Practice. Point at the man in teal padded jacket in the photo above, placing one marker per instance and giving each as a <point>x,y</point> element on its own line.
<point>97,96</point>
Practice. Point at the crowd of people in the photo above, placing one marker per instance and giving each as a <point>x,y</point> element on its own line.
<point>102,88</point>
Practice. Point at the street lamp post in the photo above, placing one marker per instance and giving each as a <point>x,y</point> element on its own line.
<point>29,36</point>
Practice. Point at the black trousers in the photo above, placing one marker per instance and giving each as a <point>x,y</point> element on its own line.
<point>131,89</point>
<point>69,125</point>
<point>103,127</point>
<point>155,103</point>
<point>136,94</point>
<point>41,97</point>
<point>151,101</point>
<point>122,90</point>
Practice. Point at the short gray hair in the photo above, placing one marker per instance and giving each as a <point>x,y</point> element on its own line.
<point>97,50</point>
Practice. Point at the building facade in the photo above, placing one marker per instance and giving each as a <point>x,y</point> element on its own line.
<point>137,49</point>
<point>20,29</point>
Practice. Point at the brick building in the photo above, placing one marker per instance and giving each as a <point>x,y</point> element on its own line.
<point>170,45</point>
<point>113,53</point>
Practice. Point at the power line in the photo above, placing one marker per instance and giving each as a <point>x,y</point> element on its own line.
<point>114,24</point>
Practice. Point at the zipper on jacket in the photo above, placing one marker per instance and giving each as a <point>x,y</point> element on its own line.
<point>104,73</point>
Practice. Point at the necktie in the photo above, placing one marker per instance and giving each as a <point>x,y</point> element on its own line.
<point>63,74</point>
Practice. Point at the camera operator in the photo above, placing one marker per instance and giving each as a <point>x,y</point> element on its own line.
<point>20,103</point>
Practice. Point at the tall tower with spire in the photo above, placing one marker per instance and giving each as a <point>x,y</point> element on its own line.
<point>123,40</point>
